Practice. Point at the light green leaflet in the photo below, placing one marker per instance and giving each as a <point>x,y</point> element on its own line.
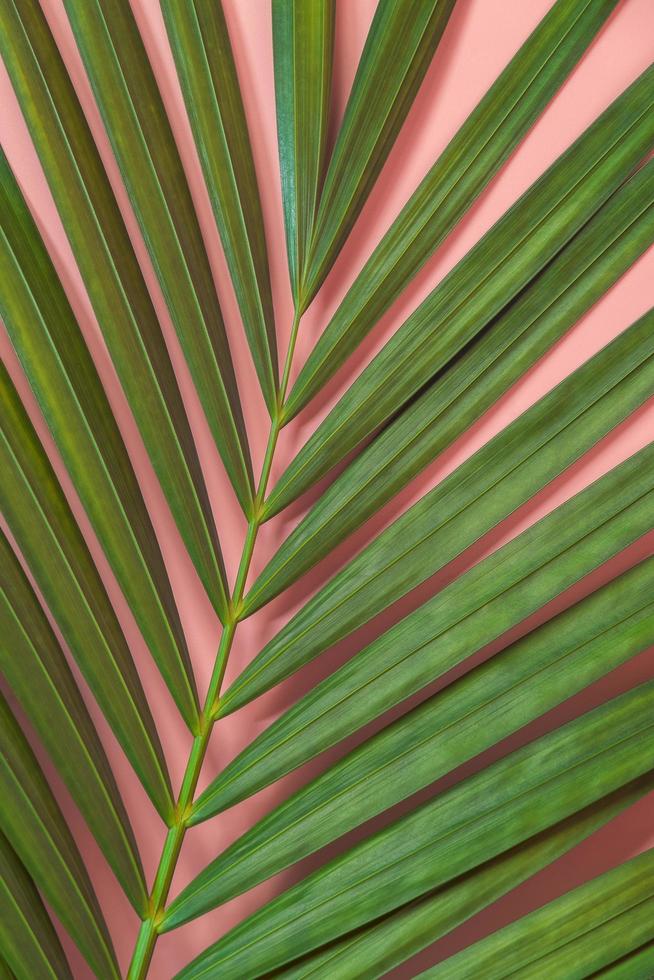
<point>577,277</point>
<point>205,64</point>
<point>481,605</point>
<point>478,607</point>
<point>29,941</point>
<point>478,495</point>
<point>39,518</point>
<point>640,963</point>
<point>38,833</point>
<point>370,952</point>
<point>399,48</point>
<point>50,345</point>
<point>475,713</point>
<point>126,91</point>
<point>577,934</point>
<point>303,42</point>
<point>478,711</point>
<point>461,172</point>
<point>112,276</point>
<point>501,264</point>
<point>492,811</point>
<point>36,669</point>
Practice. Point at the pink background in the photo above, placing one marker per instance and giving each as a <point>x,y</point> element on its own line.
<point>480,38</point>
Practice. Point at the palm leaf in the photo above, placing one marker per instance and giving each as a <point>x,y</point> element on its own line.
<point>502,263</point>
<point>136,122</point>
<point>38,833</point>
<point>345,702</point>
<point>638,963</point>
<point>370,952</point>
<point>303,38</point>
<point>441,858</point>
<point>36,668</point>
<point>483,816</point>
<point>606,246</point>
<point>525,680</point>
<point>517,686</point>
<point>111,273</point>
<point>406,444</point>
<point>468,163</point>
<point>592,927</point>
<point>29,940</point>
<point>400,45</point>
<point>200,42</point>
<point>43,525</point>
<point>445,526</point>
<point>50,345</point>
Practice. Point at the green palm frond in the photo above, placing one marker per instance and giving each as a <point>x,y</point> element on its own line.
<point>604,928</point>
<point>71,670</point>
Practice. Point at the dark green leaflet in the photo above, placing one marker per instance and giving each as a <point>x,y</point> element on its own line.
<point>29,941</point>
<point>368,953</point>
<point>640,963</point>
<point>583,931</point>
<point>480,286</point>
<point>492,811</point>
<point>486,705</point>
<point>482,604</point>
<point>483,491</point>
<point>495,595</point>
<point>203,55</point>
<point>37,671</point>
<point>461,172</point>
<point>399,48</point>
<point>111,274</point>
<point>606,246</point>
<point>136,122</point>
<point>38,833</point>
<point>43,525</point>
<point>303,41</point>
<point>50,345</point>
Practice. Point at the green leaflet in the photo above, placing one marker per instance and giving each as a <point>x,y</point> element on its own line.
<point>368,953</point>
<point>495,595</point>
<point>496,480</point>
<point>523,794</point>
<point>621,230</point>
<point>47,338</point>
<point>577,934</point>
<point>38,833</point>
<point>200,43</point>
<point>476,712</point>
<point>44,528</point>
<point>126,92</point>
<point>473,156</point>
<point>399,48</point>
<point>640,963</point>
<point>37,671</point>
<point>112,276</point>
<point>29,941</point>
<point>482,604</point>
<point>303,41</point>
<point>502,263</point>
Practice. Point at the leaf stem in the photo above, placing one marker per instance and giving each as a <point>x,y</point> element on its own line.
<point>148,932</point>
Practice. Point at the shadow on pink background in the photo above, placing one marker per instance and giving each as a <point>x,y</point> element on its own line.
<point>480,38</point>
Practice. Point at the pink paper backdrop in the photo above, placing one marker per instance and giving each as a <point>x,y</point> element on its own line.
<point>480,38</point>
